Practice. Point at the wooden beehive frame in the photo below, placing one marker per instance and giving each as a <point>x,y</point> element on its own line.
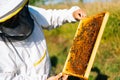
<point>68,67</point>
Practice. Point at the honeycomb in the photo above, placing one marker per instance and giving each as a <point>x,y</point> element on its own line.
<point>83,44</point>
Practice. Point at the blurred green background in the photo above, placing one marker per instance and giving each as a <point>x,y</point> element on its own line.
<point>107,62</point>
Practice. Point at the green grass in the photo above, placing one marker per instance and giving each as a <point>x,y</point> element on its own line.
<point>107,62</point>
<point>59,41</point>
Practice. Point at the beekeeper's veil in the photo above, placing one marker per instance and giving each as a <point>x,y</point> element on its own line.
<point>15,20</point>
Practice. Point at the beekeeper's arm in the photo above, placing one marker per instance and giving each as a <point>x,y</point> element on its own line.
<point>50,19</point>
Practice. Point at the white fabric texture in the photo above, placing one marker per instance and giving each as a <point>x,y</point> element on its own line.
<point>20,65</point>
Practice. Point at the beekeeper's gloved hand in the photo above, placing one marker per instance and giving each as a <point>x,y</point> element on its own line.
<point>79,14</point>
<point>60,76</point>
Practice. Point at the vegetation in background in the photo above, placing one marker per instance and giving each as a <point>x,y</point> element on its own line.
<point>34,2</point>
<point>107,62</point>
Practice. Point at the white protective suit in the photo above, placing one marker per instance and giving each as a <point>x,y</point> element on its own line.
<point>28,59</point>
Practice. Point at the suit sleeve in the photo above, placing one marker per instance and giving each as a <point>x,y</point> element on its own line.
<point>50,19</point>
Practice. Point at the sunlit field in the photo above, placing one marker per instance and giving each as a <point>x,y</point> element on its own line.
<point>107,62</point>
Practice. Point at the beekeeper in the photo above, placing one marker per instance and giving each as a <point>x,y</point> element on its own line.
<point>23,50</point>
